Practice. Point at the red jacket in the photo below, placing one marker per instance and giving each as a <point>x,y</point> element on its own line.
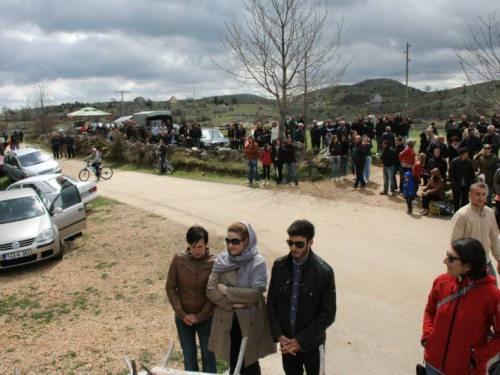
<point>265,157</point>
<point>407,156</point>
<point>252,152</point>
<point>457,327</point>
<point>416,171</point>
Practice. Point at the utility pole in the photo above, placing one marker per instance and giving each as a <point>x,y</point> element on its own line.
<point>194,93</point>
<point>122,92</point>
<point>407,53</point>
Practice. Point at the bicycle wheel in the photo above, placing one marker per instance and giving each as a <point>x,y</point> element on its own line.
<point>169,167</point>
<point>106,173</point>
<point>156,166</point>
<point>84,174</point>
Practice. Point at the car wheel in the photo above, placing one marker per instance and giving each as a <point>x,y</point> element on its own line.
<point>61,251</point>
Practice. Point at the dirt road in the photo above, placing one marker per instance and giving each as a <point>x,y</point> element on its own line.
<point>384,260</point>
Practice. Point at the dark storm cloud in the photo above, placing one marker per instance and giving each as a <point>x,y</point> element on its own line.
<point>157,48</point>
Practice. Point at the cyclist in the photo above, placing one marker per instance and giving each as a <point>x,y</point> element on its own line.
<point>96,159</point>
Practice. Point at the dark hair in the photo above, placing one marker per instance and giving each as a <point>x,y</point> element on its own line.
<point>464,150</point>
<point>301,228</point>
<point>471,252</point>
<point>196,233</point>
<point>399,139</point>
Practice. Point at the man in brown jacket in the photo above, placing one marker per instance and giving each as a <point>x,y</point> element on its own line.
<point>252,156</point>
<point>186,289</point>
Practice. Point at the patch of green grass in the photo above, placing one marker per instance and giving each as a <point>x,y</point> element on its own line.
<point>102,202</point>
<point>119,296</point>
<point>69,354</point>
<point>222,366</point>
<point>103,265</point>
<point>148,281</point>
<point>145,357</point>
<point>79,301</point>
<point>10,350</point>
<point>104,276</point>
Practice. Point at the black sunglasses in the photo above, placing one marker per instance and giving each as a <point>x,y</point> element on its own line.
<point>452,258</point>
<point>233,241</point>
<point>298,244</point>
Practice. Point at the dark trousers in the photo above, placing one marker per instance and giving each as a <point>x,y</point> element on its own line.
<point>360,177</point>
<point>295,365</point>
<point>55,152</point>
<point>278,169</point>
<point>187,337</point>
<point>426,199</point>
<point>399,169</point>
<point>409,201</point>
<point>266,172</point>
<point>460,196</point>
<point>71,151</point>
<point>236,337</point>
<point>316,143</point>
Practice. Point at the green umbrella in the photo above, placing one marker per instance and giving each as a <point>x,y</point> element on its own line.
<point>88,112</point>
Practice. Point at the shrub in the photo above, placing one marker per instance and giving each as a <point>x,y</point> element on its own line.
<point>117,147</point>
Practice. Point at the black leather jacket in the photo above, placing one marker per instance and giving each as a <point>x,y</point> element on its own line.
<point>317,303</point>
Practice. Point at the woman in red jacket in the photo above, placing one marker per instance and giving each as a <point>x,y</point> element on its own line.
<point>407,156</point>
<point>462,306</point>
<point>265,157</point>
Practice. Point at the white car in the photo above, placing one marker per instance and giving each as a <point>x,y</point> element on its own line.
<point>28,162</point>
<point>48,185</point>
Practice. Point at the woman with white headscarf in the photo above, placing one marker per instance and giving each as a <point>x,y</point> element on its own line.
<point>236,285</point>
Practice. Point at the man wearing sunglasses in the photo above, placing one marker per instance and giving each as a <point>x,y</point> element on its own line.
<point>301,303</point>
<point>478,221</point>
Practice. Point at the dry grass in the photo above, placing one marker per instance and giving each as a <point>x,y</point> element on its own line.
<point>105,300</point>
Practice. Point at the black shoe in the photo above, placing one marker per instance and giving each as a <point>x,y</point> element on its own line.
<point>383,193</point>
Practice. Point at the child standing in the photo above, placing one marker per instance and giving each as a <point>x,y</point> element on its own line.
<point>265,158</point>
<point>409,190</point>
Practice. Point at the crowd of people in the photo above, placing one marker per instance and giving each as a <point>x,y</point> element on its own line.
<point>12,141</point>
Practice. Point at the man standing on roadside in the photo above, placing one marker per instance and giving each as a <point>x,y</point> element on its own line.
<point>461,177</point>
<point>301,303</point>
<point>478,221</point>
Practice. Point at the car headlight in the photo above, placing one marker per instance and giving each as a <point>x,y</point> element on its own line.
<point>46,236</point>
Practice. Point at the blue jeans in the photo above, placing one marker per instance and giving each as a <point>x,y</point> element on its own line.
<point>196,142</point>
<point>431,370</point>
<point>379,145</point>
<point>367,170</point>
<point>291,168</point>
<point>252,171</point>
<point>343,165</point>
<point>389,177</point>
<point>187,337</point>
<point>95,167</point>
<point>335,167</point>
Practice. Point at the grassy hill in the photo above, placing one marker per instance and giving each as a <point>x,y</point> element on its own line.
<point>342,100</point>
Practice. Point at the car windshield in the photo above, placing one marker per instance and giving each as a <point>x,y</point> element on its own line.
<point>18,209</point>
<point>33,158</point>
<point>210,133</point>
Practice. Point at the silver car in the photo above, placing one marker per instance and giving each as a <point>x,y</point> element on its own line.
<point>28,162</point>
<point>31,232</point>
<point>213,138</point>
<point>48,185</point>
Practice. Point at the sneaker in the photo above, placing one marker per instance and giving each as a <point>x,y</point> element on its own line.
<point>383,193</point>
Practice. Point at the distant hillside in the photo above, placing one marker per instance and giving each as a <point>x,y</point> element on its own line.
<point>377,96</point>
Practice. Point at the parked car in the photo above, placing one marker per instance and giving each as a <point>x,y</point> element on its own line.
<point>51,188</point>
<point>29,232</point>
<point>213,138</point>
<point>28,162</point>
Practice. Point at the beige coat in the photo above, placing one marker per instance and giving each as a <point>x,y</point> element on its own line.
<point>469,221</point>
<point>255,325</point>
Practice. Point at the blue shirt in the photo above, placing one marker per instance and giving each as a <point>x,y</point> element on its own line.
<point>297,273</point>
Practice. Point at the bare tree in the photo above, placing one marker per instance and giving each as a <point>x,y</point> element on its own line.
<point>38,105</point>
<point>479,58</point>
<point>269,50</point>
<point>322,65</point>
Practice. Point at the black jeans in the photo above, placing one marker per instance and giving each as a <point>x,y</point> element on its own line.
<point>460,196</point>
<point>360,177</point>
<point>294,365</point>
<point>426,199</point>
<point>236,337</point>
<point>409,201</point>
<point>71,151</point>
<point>278,168</point>
<point>266,172</point>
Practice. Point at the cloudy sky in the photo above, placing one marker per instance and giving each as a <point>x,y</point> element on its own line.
<point>86,50</point>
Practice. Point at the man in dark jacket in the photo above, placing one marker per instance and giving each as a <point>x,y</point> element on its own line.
<point>299,134</point>
<point>196,134</point>
<point>315,135</point>
<point>461,177</point>
<point>301,302</point>
<point>472,143</point>
<point>493,139</point>
<point>389,136</point>
<point>438,144</point>
<point>70,145</point>
<point>288,154</point>
<point>388,161</point>
<point>359,160</point>
<point>437,161</point>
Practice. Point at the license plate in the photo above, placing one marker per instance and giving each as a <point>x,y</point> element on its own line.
<point>17,254</point>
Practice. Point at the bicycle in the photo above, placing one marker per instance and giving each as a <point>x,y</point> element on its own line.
<point>104,172</point>
<point>167,166</point>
